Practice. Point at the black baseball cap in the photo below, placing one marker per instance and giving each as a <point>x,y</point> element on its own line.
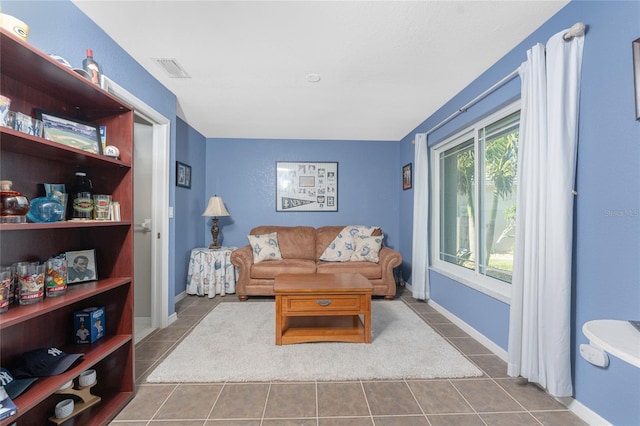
<point>14,387</point>
<point>45,362</point>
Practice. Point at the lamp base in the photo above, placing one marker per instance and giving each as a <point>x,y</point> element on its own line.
<point>215,230</point>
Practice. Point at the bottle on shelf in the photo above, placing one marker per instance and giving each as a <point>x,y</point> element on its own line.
<point>91,66</point>
<point>82,193</point>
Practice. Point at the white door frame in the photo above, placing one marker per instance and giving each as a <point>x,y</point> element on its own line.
<point>159,201</point>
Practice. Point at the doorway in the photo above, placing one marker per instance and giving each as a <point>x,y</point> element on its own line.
<point>151,213</point>
<point>142,235</point>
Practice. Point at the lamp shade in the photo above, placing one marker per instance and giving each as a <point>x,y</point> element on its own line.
<point>216,207</point>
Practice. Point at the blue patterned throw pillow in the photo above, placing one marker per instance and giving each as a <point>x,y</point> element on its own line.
<point>342,247</point>
<point>265,247</point>
<point>366,248</point>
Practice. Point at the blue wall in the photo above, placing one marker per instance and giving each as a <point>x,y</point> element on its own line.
<point>607,225</point>
<point>243,173</point>
<point>190,202</point>
<point>608,205</point>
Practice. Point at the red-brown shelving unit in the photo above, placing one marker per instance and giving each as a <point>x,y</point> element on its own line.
<point>33,80</point>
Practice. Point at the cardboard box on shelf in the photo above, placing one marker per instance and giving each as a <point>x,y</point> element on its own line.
<point>89,324</point>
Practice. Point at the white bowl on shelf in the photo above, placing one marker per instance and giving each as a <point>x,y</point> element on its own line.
<point>87,378</point>
<point>66,385</point>
<point>64,408</point>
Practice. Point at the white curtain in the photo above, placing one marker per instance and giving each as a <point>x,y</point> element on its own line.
<point>539,323</point>
<point>420,260</point>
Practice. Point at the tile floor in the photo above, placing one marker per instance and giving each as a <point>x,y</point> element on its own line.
<point>493,399</point>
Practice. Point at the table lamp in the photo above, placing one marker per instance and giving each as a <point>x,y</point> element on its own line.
<point>215,208</point>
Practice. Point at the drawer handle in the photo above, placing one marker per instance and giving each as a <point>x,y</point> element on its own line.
<point>323,302</point>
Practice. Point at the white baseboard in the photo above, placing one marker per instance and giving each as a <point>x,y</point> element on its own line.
<point>577,408</point>
<point>143,321</point>
<point>172,318</point>
<point>481,338</point>
<point>181,296</point>
<point>586,414</point>
<point>142,328</point>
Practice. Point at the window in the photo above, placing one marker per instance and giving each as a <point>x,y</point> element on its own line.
<point>474,197</point>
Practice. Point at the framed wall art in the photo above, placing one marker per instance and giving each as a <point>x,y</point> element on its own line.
<point>81,266</point>
<point>636,74</point>
<point>70,132</point>
<point>406,176</point>
<point>183,175</point>
<point>306,186</point>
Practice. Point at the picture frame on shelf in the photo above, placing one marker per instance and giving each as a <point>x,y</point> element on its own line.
<point>81,266</point>
<point>306,186</point>
<point>68,131</point>
<point>407,177</point>
<point>183,175</point>
<point>636,74</point>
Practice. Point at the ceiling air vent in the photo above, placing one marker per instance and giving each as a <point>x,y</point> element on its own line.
<point>171,67</point>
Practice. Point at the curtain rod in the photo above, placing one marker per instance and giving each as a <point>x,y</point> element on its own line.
<point>475,100</point>
<point>577,30</point>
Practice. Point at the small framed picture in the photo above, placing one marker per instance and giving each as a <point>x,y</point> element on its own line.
<point>70,132</point>
<point>406,176</point>
<point>183,175</point>
<point>636,74</point>
<point>81,266</point>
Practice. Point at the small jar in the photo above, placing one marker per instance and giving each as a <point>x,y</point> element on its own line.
<point>56,277</point>
<point>30,282</point>
<point>6,287</point>
<point>12,284</point>
<point>82,193</point>
<point>13,205</point>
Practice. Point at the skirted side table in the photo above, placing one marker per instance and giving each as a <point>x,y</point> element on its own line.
<point>211,272</point>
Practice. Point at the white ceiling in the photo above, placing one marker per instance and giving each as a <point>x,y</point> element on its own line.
<point>385,66</point>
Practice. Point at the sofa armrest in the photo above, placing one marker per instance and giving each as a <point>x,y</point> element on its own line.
<point>388,260</point>
<point>242,259</point>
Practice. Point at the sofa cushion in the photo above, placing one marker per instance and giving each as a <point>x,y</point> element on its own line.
<point>366,248</point>
<point>269,270</point>
<point>368,269</point>
<point>296,242</point>
<point>341,247</point>
<point>265,247</point>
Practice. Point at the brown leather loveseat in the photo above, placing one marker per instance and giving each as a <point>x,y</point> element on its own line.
<point>301,248</point>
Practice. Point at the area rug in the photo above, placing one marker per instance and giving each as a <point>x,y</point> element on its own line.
<point>236,342</point>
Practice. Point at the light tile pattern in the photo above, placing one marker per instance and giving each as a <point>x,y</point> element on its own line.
<point>492,399</point>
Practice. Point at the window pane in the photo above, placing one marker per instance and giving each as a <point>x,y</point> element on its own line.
<point>499,143</point>
<point>457,227</point>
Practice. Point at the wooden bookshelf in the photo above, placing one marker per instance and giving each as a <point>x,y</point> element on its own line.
<point>31,79</point>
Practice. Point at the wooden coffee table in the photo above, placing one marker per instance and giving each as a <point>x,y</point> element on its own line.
<point>322,308</point>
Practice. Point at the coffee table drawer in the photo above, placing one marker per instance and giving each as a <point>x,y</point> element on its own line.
<point>322,303</point>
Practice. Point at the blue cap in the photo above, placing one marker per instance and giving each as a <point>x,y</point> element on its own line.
<point>14,387</point>
<point>45,362</point>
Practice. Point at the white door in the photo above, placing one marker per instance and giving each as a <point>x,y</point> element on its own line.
<point>153,160</point>
<point>142,236</point>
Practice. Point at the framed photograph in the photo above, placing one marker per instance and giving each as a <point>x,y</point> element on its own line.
<point>81,266</point>
<point>70,132</point>
<point>306,186</point>
<point>406,176</point>
<point>636,74</point>
<point>183,175</point>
